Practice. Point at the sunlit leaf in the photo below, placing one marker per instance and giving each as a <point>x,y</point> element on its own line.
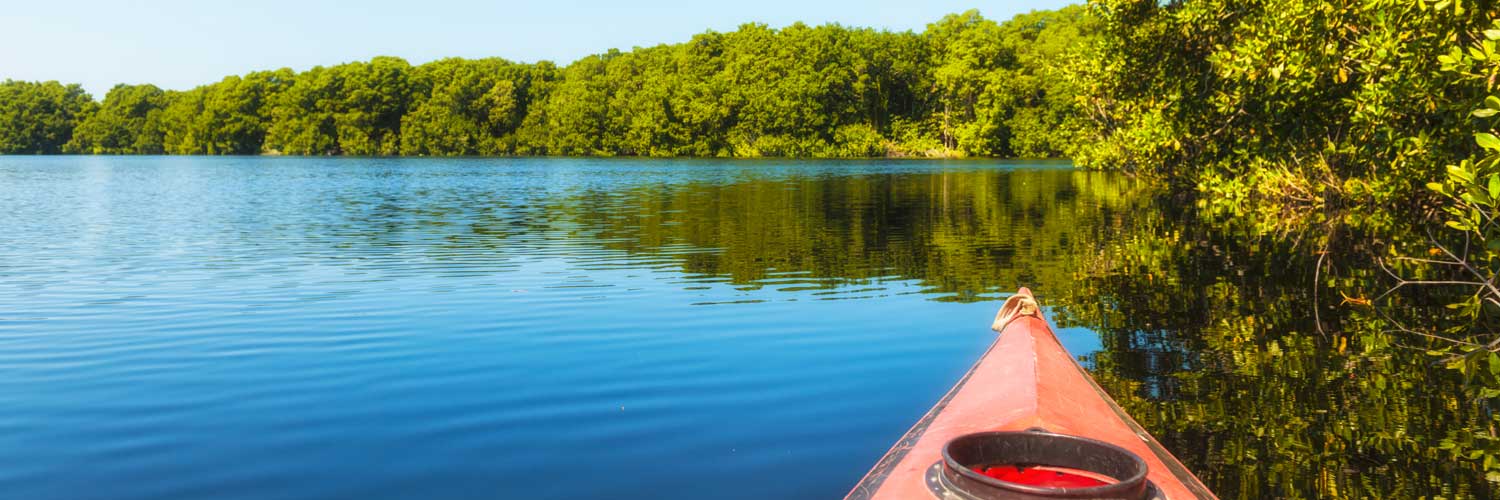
<point>1487,141</point>
<point>1460,174</point>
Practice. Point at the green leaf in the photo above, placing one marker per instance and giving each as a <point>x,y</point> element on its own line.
<point>1487,141</point>
<point>1492,34</point>
<point>1437,187</point>
<point>1460,174</point>
<point>1459,226</point>
<point>1494,187</point>
<point>1485,112</point>
<point>1492,102</point>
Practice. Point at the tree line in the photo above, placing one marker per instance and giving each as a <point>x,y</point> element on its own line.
<point>1302,103</point>
<point>965,86</point>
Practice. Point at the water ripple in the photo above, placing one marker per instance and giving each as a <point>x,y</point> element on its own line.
<point>379,328</point>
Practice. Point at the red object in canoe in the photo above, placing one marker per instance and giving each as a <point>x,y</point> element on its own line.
<point>1026,381</point>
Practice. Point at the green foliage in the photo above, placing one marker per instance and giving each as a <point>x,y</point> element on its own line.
<point>1045,119</point>
<point>1270,108</point>
<point>1000,88</point>
<point>227,118</point>
<point>39,117</point>
<point>349,109</point>
<point>1470,195</point>
<point>129,122</point>
<point>462,107</point>
<point>966,86</point>
<point>970,56</point>
<point>1289,101</point>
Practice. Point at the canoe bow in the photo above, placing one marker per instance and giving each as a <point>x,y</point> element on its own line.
<point>1026,380</point>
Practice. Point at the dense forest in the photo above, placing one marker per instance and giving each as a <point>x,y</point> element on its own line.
<point>965,86</point>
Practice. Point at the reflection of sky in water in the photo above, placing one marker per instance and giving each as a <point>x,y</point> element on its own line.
<point>292,328</point>
<point>1079,341</point>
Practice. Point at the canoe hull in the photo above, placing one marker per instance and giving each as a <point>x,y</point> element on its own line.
<point>1026,380</point>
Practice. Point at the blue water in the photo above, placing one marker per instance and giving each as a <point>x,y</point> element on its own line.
<point>546,328</point>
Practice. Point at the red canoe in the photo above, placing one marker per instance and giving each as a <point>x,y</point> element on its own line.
<point>1026,381</point>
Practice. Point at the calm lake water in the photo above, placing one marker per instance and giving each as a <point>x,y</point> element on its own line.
<point>560,328</point>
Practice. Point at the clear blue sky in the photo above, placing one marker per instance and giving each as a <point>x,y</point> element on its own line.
<point>179,44</point>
